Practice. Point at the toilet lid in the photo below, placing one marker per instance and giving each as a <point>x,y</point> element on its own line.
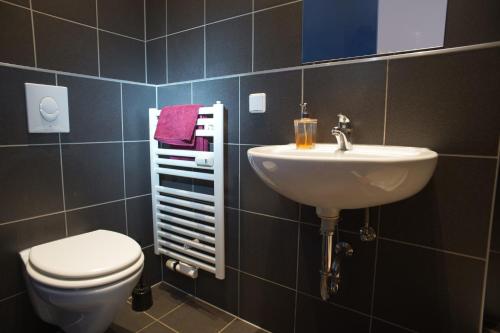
<point>90,255</point>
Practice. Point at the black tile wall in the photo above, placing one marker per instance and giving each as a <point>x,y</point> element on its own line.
<point>65,46</point>
<point>83,11</point>
<point>451,213</point>
<point>314,315</point>
<point>93,173</point>
<point>13,120</point>
<point>278,37</point>
<point>232,177</point>
<point>444,289</point>
<point>272,239</point>
<point>95,112</point>
<point>221,293</point>
<point>156,60</point>
<point>453,90</point>
<point>383,327</point>
<point>266,304</point>
<point>351,90</point>
<point>19,236</point>
<point>495,234</point>
<point>140,220</point>
<point>152,266</point>
<point>16,35</point>
<point>156,24</point>
<point>110,216</point>
<point>492,309</point>
<point>184,14</point>
<point>121,57</point>
<point>137,174</point>
<point>137,99</point>
<point>235,38</point>
<point>185,55</point>
<point>275,126</point>
<point>30,183</point>
<point>232,236</point>
<point>171,95</point>
<point>226,91</point>
<point>267,201</point>
<point>479,25</point>
<point>222,9</point>
<point>261,4</point>
<point>122,16</point>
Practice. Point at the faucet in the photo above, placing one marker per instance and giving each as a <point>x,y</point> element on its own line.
<point>342,132</point>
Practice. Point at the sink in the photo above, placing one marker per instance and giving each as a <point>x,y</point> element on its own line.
<point>331,180</point>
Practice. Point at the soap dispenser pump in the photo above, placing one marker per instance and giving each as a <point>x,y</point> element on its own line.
<point>305,129</point>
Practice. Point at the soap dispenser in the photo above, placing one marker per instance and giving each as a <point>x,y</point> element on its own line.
<point>305,129</point>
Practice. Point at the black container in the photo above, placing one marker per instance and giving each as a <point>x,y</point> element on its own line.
<point>142,299</point>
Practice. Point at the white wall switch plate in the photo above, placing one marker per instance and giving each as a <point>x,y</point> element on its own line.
<point>47,108</point>
<point>257,103</point>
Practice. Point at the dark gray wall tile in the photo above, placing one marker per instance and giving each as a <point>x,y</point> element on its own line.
<point>137,100</point>
<point>157,61</point>
<point>314,315</point>
<point>15,237</point>
<point>140,220</point>
<point>65,46</point>
<point>261,4</point>
<point>94,110</point>
<point>13,120</point>
<point>383,327</point>
<point>172,95</point>
<point>492,303</point>
<point>30,182</point>
<point>83,11</point>
<point>121,57</point>
<point>231,237</point>
<point>109,216</point>
<point>221,293</point>
<point>357,271</point>
<point>156,18</point>
<point>435,101</point>
<point>16,35</point>
<point>275,126</point>
<point>495,233</point>
<point>278,37</point>
<point>152,266</point>
<point>122,16</point>
<point>137,174</point>
<point>257,197</point>
<point>25,3</point>
<point>226,91</point>
<point>229,47</point>
<point>268,248</point>
<point>177,280</point>
<point>266,304</point>
<point>17,315</point>
<point>451,213</point>
<point>184,14</point>
<point>185,55</point>
<point>93,173</point>
<point>426,290</point>
<point>472,22</point>
<point>222,9</point>
<point>231,176</point>
<point>356,90</point>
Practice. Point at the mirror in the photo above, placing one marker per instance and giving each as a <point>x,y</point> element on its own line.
<point>337,29</point>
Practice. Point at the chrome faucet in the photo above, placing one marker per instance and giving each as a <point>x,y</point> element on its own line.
<point>342,132</point>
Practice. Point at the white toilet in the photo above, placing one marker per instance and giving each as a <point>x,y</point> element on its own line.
<point>79,283</point>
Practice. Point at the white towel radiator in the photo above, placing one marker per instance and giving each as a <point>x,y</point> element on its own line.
<point>189,226</point>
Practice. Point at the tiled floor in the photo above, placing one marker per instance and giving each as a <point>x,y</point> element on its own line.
<point>174,311</point>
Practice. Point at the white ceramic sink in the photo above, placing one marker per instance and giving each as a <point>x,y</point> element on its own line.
<point>331,180</point>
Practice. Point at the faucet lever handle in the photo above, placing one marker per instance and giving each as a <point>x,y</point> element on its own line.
<point>344,123</point>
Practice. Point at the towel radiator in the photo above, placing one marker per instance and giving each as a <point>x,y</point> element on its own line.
<point>188,226</point>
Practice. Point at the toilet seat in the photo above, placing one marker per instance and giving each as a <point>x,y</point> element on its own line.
<point>84,261</point>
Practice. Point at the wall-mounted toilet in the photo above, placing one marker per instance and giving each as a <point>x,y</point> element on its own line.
<point>79,283</point>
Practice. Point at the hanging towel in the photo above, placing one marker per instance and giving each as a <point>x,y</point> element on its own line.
<point>176,125</point>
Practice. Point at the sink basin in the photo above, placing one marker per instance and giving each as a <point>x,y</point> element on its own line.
<point>331,180</point>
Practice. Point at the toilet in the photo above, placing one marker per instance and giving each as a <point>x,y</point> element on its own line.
<point>80,282</point>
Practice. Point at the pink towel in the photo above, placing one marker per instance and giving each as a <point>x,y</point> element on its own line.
<point>177,125</point>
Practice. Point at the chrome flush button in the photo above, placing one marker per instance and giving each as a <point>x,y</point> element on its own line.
<point>49,108</point>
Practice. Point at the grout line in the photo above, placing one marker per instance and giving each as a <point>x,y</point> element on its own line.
<point>147,246</point>
<point>433,249</point>
<point>297,273</point>
<point>145,44</point>
<point>372,302</point>
<point>173,309</point>
<point>271,216</point>
<point>89,143</point>
<point>239,192</point>
<point>33,34</point>
<point>385,101</point>
<point>12,296</point>
<point>29,145</point>
<point>335,304</point>
<point>138,196</point>
<point>228,324</point>
<point>148,325</point>
<point>253,33</point>
<point>30,218</point>
<point>119,34</point>
<point>163,324</point>
<point>98,38</point>
<point>123,161</point>
<point>66,143</point>
<point>266,280</point>
<point>166,41</point>
<point>395,325</point>
<point>488,242</point>
<point>95,205</point>
<point>204,38</point>
<point>62,187</point>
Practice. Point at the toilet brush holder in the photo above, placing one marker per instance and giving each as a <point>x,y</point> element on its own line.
<point>142,299</point>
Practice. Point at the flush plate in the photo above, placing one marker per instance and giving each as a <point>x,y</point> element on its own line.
<point>47,108</point>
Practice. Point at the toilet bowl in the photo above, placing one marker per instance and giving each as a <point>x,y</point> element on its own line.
<point>80,282</point>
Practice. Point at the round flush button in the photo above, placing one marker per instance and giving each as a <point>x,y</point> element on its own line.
<point>49,108</point>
